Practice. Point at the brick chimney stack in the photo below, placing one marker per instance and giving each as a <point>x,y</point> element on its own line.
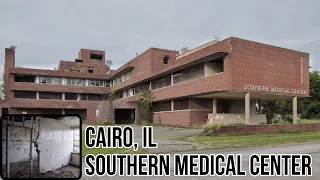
<point>9,58</point>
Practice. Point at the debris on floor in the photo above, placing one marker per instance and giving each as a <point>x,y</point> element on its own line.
<point>22,170</point>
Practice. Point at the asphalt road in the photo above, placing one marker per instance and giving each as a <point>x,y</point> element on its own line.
<point>312,149</point>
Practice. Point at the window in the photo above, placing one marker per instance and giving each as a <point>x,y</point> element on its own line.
<point>5,111</point>
<point>95,97</point>
<point>189,74</point>
<point>25,94</point>
<point>76,82</point>
<point>181,104</point>
<point>161,82</point>
<point>201,103</point>
<point>162,106</point>
<point>50,95</point>
<point>127,76</point>
<point>95,82</point>
<point>141,88</point>
<point>24,78</point>
<point>83,97</point>
<point>50,80</point>
<point>76,140</point>
<point>90,70</point>
<point>71,96</point>
<point>78,60</point>
<point>96,56</point>
<point>165,59</point>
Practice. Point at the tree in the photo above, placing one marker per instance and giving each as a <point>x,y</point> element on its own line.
<point>110,97</point>
<point>145,106</point>
<point>3,86</point>
<point>184,49</point>
<point>309,108</point>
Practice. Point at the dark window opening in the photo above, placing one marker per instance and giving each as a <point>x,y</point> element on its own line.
<point>142,88</point>
<point>223,106</point>
<point>96,56</point>
<point>5,111</point>
<point>162,106</point>
<point>181,104</point>
<point>201,104</point>
<point>214,67</point>
<point>161,82</point>
<point>50,95</point>
<point>24,78</point>
<point>78,60</point>
<point>25,94</point>
<point>95,97</point>
<point>71,96</point>
<point>90,70</point>
<point>189,74</point>
<point>83,97</point>
<point>119,94</point>
<point>165,59</point>
<point>124,116</point>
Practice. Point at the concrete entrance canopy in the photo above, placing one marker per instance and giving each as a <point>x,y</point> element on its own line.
<point>240,95</point>
<point>242,106</point>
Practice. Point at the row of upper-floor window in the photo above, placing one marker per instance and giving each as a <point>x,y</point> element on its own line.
<point>185,75</point>
<point>58,96</point>
<point>124,77</point>
<point>223,106</point>
<point>61,80</point>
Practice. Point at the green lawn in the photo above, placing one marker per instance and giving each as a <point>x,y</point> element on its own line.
<point>96,151</point>
<point>234,141</point>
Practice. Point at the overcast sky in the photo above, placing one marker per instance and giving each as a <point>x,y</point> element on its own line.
<point>47,31</point>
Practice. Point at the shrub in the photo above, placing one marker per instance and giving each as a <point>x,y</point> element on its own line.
<point>110,123</point>
<point>211,128</point>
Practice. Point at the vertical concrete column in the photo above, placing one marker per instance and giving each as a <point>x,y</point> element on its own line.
<point>150,86</point>
<point>172,105</point>
<point>214,106</point>
<point>259,106</point>
<point>171,79</point>
<point>247,108</point>
<point>295,109</point>
<point>37,95</point>
<point>63,96</point>
<point>36,80</point>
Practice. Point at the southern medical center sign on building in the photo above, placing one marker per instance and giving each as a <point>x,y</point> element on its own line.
<point>274,89</point>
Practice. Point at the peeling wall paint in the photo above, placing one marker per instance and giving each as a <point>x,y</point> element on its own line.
<point>19,143</point>
<point>55,144</point>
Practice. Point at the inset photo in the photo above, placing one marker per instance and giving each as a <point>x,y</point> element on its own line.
<point>41,146</point>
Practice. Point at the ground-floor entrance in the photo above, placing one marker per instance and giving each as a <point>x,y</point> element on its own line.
<point>124,116</point>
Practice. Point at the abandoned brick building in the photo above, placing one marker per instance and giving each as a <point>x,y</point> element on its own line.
<point>220,81</point>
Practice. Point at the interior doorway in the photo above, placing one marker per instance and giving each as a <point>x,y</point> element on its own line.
<point>124,116</point>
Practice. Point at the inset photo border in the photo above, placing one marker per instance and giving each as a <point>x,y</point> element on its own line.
<point>53,140</point>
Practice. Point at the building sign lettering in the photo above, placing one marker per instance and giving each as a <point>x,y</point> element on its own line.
<point>274,89</point>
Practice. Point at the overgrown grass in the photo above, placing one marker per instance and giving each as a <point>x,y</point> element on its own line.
<point>309,121</point>
<point>233,141</point>
<point>101,150</point>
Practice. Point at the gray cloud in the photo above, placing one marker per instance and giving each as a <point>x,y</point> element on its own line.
<point>47,31</point>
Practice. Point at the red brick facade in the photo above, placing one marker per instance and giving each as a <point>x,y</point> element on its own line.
<point>247,67</point>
